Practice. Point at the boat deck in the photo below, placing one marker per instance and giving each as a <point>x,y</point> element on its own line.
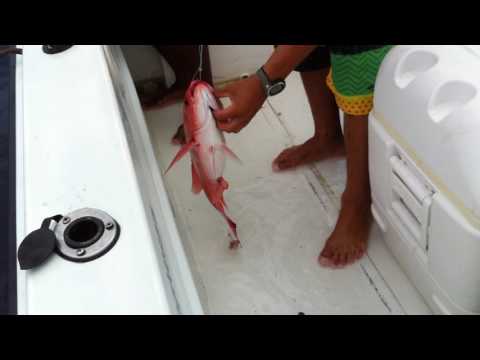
<point>283,222</point>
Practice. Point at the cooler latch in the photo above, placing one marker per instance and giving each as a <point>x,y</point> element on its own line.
<point>411,202</point>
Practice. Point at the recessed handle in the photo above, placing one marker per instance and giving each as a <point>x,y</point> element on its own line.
<point>414,64</point>
<point>450,97</point>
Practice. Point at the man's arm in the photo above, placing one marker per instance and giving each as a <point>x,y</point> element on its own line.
<point>285,59</point>
<point>248,95</point>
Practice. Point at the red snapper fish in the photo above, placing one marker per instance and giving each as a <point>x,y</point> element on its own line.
<point>207,148</point>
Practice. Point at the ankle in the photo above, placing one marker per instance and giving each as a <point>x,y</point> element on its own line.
<point>357,199</point>
<point>328,136</point>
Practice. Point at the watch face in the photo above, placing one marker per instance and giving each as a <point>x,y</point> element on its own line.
<point>276,88</point>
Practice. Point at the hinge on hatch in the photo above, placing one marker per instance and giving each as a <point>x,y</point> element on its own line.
<point>55,49</point>
<point>428,202</point>
<point>428,220</point>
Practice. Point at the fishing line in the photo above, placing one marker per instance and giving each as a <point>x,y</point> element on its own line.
<point>198,73</point>
<point>275,112</point>
<point>200,67</point>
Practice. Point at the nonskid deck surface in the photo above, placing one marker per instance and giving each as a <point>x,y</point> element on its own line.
<point>283,222</point>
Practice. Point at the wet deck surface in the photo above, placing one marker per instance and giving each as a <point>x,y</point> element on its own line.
<point>283,222</point>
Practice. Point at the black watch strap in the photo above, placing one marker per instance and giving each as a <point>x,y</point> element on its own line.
<point>264,79</point>
<point>270,87</point>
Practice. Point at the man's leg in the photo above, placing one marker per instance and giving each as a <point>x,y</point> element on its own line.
<point>328,140</point>
<point>352,81</point>
<point>348,241</point>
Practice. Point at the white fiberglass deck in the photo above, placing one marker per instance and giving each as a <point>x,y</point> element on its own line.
<point>283,222</point>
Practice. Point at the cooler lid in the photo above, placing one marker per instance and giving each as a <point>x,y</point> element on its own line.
<point>427,97</point>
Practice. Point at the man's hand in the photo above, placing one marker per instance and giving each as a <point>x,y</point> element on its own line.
<point>247,97</point>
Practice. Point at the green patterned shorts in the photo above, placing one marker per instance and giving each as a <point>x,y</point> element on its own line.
<point>352,79</point>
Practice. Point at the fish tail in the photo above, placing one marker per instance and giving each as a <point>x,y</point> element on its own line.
<point>231,224</point>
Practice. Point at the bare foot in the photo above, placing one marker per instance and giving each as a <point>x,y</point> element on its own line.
<point>315,149</point>
<point>348,242</point>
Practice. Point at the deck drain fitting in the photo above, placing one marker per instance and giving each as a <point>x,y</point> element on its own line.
<point>85,235</point>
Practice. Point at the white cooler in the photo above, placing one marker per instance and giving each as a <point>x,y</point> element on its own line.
<point>425,169</point>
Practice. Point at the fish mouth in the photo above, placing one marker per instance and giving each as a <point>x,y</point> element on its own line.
<point>193,86</point>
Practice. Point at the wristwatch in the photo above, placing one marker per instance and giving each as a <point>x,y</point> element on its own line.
<point>271,88</point>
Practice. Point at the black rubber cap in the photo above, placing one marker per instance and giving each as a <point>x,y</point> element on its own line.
<point>36,248</point>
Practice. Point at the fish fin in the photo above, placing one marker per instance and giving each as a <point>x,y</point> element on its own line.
<point>196,184</point>
<point>179,137</point>
<point>233,229</point>
<point>230,153</point>
<point>181,153</point>
<point>221,206</point>
<point>224,184</point>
